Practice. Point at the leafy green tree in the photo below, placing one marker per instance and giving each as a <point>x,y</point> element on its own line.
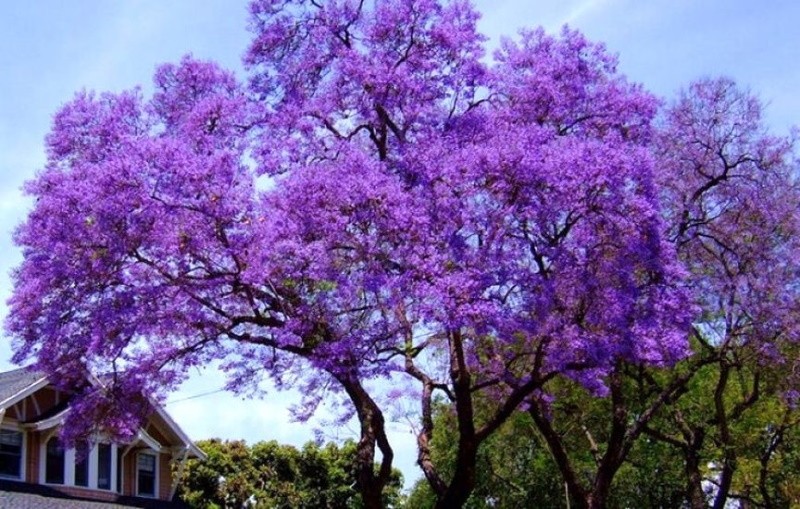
<point>737,436</point>
<point>516,469</point>
<point>277,476</point>
<point>225,479</point>
<point>513,468</point>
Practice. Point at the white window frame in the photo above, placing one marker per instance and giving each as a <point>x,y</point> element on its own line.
<point>156,457</point>
<point>24,456</point>
<point>69,467</point>
<point>69,463</point>
<point>95,454</point>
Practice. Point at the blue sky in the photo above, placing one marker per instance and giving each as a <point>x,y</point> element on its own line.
<point>52,48</point>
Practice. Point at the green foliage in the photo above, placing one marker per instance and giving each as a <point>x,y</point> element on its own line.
<point>514,469</point>
<point>652,477</point>
<point>749,422</point>
<point>276,476</point>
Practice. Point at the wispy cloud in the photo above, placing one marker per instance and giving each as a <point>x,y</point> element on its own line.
<point>582,9</point>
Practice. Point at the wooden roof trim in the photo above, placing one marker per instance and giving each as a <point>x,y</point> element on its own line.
<point>48,423</point>
<point>24,393</point>
<point>149,441</point>
<point>193,449</point>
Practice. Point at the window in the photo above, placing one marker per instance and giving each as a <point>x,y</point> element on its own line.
<point>87,465</point>
<point>146,475</point>
<point>54,462</point>
<point>119,472</point>
<point>10,453</point>
<point>104,466</point>
<point>82,464</point>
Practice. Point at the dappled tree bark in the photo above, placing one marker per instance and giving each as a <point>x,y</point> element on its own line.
<point>373,433</point>
<point>576,490</point>
<point>690,443</point>
<point>463,481</point>
<point>775,438</point>
<point>694,478</point>
<point>725,441</point>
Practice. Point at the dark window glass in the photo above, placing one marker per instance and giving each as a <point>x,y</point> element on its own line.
<point>146,475</point>
<point>82,464</point>
<point>104,466</point>
<point>54,462</point>
<point>10,453</point>
<point>119,473</point>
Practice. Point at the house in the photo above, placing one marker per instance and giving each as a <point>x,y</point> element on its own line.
<point>35,471</point>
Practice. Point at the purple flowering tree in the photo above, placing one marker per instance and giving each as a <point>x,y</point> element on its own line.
<point>375,204</point>
<point>730,194</point>
<point>729,201</point>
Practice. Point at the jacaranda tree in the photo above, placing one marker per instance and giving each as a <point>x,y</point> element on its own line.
<point>376,203</point>
<point>731,201</point>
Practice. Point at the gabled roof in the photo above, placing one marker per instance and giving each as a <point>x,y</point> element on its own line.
<point>16,384</point>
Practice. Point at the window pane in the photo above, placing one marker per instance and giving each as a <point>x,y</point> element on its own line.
<point>146,474</point>
<point>82,464</point>
<point>10,453</point>
<point>104,466</point>
<point>147,463</point>
<point>10,438</point>
<point>54,466</point>
<point>119,472</point>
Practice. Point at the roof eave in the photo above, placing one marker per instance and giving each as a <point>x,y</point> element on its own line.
<point>24,393</point>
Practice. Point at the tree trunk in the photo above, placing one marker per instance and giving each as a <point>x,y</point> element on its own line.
<point>576,491</point>
<point>616,447</point>
<point>463,482</point>
<point>694,480</point>
<point>725,481</point>
<point>598,497</point>
<point>728,453</point>
<point>373,432</point>
<point>460,488</point>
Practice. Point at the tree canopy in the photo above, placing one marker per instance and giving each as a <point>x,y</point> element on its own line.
<point>380,202</point>
<point>276,476</point>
